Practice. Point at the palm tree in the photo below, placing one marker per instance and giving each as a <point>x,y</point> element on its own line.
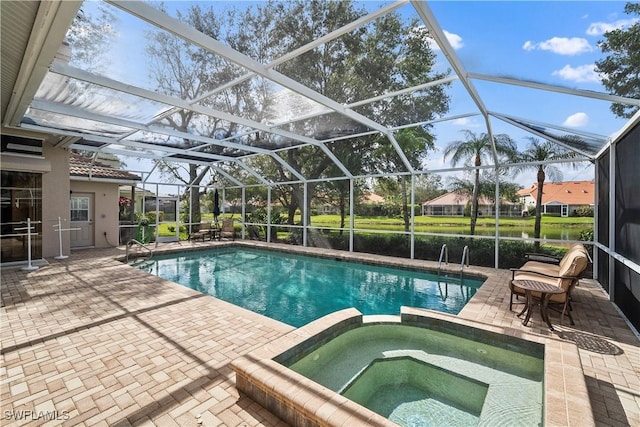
<point>477,148</point>
<point>540,152</point>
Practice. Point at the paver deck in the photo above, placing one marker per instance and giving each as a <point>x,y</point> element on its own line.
<point>91,341</point>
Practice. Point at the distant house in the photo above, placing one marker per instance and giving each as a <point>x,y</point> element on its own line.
<point>369,198</point>
<point>333,209</point>
<point>563,198</point>
<point>453,204</point>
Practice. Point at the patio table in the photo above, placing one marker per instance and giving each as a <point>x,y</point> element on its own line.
<point>546,290</point>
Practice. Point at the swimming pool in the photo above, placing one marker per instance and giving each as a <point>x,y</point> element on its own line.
<point>297,289</point>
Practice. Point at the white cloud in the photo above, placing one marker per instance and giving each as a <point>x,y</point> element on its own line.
<point>580,74</point>
<point>576,120</point>
<point>561,45</point>
<point>599,28</point>
<point>465,122</point>
<point>454,39</point>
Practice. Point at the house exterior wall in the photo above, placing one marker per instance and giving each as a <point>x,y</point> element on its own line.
<point>527,201</point>
<point>105,210</point>
<point>444,210</point>
<point>458,210</point>
<point>56,190</point>
<point>55,201</point>
<point>54,167</point>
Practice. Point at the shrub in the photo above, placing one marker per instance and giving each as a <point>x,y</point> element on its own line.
<point>586,211</point>
<point>481,251</point>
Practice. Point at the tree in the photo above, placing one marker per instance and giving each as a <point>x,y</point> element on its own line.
<point>189,72</point>
<point>621,69</point>
<point>369,61</point>
<point>428,187</point>
<point>541,152</point>
<point>384,55</point>
<point>507,190</point>
<point>474,149</point>
<point>414,142</point>
<point>89,35</point>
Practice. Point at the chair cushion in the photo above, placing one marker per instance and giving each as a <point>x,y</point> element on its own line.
<point>575,248</point>
<point>575,265</point>
<point>532,276</point>
<point>542,267</point>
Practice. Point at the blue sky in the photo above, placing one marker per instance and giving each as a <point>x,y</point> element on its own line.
<point>547,42</point>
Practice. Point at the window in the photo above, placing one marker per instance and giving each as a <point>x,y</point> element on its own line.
<point>80,208</point>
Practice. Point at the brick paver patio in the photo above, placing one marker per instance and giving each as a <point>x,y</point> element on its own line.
<point>91,341</point>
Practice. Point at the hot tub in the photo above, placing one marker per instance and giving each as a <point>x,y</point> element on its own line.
<point>420,368</point>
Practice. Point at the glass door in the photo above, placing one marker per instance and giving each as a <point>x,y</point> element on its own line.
<point>20,199</point>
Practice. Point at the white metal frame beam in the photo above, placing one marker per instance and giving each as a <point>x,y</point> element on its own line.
<point>64,69</point>
<point>543,136</point>
<point>550,126</point>
<point>559,89</point>
<point>182,30</point>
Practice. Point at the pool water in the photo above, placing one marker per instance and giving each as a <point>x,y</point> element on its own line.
<point>416,376</point>
<point>297,289</point>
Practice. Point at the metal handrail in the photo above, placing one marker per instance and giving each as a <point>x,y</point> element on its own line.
<point>465,255</point>
<point>135,242</point>
<point>443,252</point>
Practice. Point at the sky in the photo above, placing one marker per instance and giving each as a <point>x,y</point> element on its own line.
<point>548,42</point>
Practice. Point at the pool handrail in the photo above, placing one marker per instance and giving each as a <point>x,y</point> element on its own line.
<point>444,251</point>
<point>135,242</point>
<point>465,257</point>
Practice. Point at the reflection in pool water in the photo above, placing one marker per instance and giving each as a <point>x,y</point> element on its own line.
<point>297,289</point>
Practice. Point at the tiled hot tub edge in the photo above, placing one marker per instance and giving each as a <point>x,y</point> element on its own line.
<point>292,397</point>
<point>300,401</point>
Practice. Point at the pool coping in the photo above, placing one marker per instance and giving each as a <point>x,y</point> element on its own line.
<point>301,401</point>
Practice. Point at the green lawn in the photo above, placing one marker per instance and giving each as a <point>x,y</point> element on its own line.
<point>448,221</point>
<point>553,227</point>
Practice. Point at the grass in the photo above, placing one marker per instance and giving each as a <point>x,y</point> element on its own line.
<point>448,221</point>
<point>553,227</point>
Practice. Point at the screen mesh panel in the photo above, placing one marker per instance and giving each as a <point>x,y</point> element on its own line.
<point>603,218</point>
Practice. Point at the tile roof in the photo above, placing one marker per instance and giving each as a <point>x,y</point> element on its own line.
<point>567,192</point>
<point>84,167</point>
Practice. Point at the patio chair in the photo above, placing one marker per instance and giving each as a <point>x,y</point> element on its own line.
<point>205,230</point>
<point>254,232</point>
<point>566,275</point>
<point>227,231</point>
<point>550,259</point>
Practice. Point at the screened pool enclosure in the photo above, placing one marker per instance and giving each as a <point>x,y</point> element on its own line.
<point>292,109</point>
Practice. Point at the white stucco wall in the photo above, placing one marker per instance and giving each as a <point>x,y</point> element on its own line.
<point>55,201</point>
<point>105,210</point>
